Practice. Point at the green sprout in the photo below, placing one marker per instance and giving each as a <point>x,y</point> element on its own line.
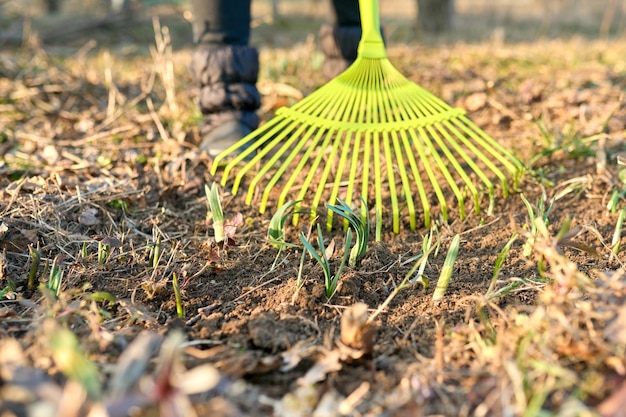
<point>155,249</point>
<point>446,271</point>
<point>360,222</point>
<point>215,211</point>
<point>276,230</point>
<point>504,252</point>
<point>415,273</point>
<point>330,281</point>
<point>35,260</point>
<point>56,276</point>
<point>180,310</point>
<point>539,211</point>
<point>70,358</point>
<point>299,279</point>
<point>617,234</point>
<point>103,252</point>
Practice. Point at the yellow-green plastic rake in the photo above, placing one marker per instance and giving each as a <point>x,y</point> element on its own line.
<point>370,126</point>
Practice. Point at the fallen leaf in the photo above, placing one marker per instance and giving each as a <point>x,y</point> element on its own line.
<point>88,217</point>
<point>132,363</point>
<point>615,404</point>
<point>475,101</point>
<point>50,155</point>
<point>31,235</point>
<point>328,363</point>
<point>616,329</point>
<point>328,405</point>
<point>299,403</point>
<point>292,357</point>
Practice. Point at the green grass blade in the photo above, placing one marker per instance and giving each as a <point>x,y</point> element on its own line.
<point>446,271</point>
<point>617,234</point>
<point>215,206</point>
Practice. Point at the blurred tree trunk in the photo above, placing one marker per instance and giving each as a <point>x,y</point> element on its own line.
<point>52,6</point>
<point>435,16</point>
<point>275,14</point>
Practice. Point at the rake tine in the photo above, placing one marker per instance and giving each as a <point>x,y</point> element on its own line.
<point>417,177</point>
<point>298,169</point>
<point>340,168</point>
<point>283,167</point>
<point>418,143</point>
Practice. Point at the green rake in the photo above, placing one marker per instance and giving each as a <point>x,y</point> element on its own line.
<point>371,125</point>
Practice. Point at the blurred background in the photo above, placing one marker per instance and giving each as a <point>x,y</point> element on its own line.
<point>282,23</point>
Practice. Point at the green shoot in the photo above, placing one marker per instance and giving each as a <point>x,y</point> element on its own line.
<point>540,211</point>
<point>56,276</point>
<point>215,211</point>
<point>330,281</point>
<point>155,250</point>
<point>105,243</point>
<point>360,222</point>
<point>180,310</point>
<point>103,252</point>
<point>504,252</point>
<point>299,280</point>
<point>616,196</point>
<point>35,260</point>
<point>617,234</point>
<point>427,249</point>
<point>84,253</point>
<point>446,271</point>
<point>276,231</point>
<point>411,277</point>
<point>72,361</point>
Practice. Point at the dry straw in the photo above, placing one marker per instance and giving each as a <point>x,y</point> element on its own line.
<point>370,132</point>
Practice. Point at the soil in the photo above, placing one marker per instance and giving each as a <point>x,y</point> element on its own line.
<point>82,164</point>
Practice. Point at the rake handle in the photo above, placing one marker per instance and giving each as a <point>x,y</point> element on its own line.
<point>371,44</point>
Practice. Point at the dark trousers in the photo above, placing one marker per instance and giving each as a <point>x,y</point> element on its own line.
<point>227,22</point>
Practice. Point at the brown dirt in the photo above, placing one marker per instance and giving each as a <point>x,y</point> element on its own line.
<point>71,173</point>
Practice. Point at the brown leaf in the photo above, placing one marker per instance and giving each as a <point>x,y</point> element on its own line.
<point>615,404</point>
<point>475,101</point>
<point>31,235</point>
<point>88,217</point>
<point>327,364</point>
<point>616,330</point>
<point>50,155</point>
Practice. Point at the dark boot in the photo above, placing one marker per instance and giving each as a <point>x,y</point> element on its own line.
<point>339,45</point>
<point>228,96</point>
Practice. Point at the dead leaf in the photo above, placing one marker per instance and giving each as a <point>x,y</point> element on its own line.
<point>475,101</point>
<point>616,330</point>
<point>329,404</point>
<point>292,357</point>
<point>328,363</point>
<point>3,230</point>
<point>299,403</point>
<point>615,404</point>
<point>330,249</point>
<point>88,217</point>
<point>31,235</point>
<point>50,155</point>
<point>132,363</point>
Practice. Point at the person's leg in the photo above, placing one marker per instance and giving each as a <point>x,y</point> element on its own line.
<point>226,70</point>
<point>340,39</point>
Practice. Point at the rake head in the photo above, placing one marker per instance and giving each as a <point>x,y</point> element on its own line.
<point>371,132</point>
